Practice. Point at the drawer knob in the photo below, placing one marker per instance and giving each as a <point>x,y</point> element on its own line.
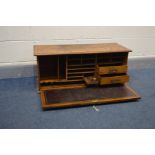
<point>113,71</point>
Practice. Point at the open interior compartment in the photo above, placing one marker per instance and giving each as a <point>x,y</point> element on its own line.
<point>68,69</point>
<point>52,68</point>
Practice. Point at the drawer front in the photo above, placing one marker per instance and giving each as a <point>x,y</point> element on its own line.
<point>112,70</point>
<point>114,80</point>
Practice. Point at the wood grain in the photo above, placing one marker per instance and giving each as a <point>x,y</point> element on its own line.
<point>112,69</point>
<point>79,49</point>
<point>114,80</point>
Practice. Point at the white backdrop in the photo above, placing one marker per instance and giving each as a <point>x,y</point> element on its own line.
<point>16,43</point>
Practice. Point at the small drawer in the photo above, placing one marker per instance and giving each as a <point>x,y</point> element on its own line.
<point>112,70</point>
<point>114,80</point>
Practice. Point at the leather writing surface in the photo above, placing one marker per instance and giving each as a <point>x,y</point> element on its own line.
<point>79,94</point>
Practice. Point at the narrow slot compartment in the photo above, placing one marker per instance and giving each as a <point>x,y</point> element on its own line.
<point>48,66</point>
<point>80,72</point>
<point>104,59</point>
<point>120,58</point>
<point>52,68</point>
<point>81,68</point>
<point>62,67</point>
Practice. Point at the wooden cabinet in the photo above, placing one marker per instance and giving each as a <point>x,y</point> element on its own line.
<point>78,67</point>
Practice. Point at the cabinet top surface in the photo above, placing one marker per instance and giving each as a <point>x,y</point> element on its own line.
<point>79,49</point>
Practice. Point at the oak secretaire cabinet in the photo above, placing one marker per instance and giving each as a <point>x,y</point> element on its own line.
<point>83,74</point>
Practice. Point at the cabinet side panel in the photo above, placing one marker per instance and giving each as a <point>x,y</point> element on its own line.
<point>38,74</point>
